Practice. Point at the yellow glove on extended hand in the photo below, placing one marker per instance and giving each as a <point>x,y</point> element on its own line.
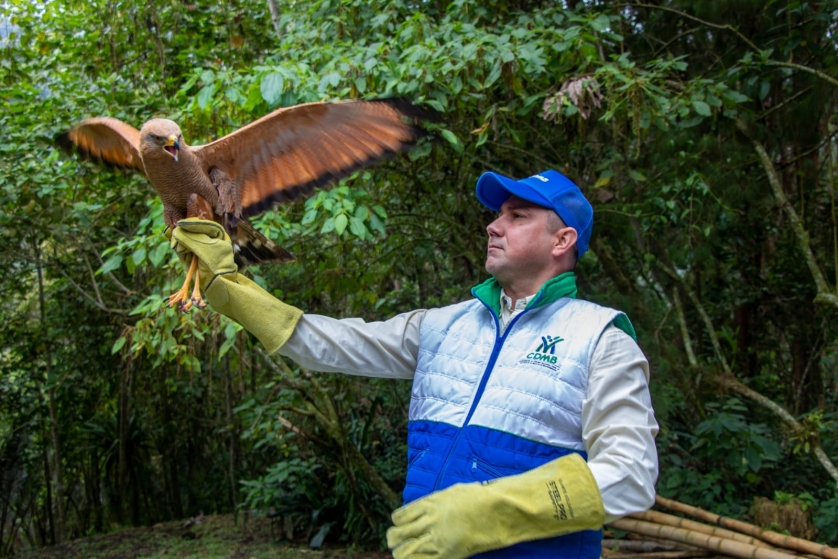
<point>556,498</point>
<point>229,292</point>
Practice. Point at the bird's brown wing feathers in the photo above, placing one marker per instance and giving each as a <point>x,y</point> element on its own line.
<point>105,139</point>
<point>291,151</point>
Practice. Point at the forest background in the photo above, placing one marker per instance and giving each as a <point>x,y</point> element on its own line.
<point>704,133</point>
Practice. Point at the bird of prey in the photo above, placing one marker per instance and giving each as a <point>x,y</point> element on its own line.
<point>276,158</point>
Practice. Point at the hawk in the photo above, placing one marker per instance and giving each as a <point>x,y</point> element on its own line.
<point>274,159</point>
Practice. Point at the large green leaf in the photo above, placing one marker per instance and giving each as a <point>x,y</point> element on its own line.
<point>271,88</point>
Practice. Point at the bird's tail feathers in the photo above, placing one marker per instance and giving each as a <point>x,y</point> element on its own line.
<point>252,247</point>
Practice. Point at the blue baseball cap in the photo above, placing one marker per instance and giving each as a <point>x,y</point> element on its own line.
<point>550,189</point>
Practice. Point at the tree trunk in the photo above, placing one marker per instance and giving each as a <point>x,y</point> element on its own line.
<point>231,435</point>
<point>170,465</point>
<point>276,13</point>
<point>122,429</point>
<point>50,518</point>
<point>57,465</point>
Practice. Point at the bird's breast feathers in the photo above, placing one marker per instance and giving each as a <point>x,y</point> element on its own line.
<point>174,180</point>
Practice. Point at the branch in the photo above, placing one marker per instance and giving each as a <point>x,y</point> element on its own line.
<point>293,428</point>
<point>612,268</point>
<point>98,304</point>
<point>802,68</point>
<point>280,371</point>
<point>785,102</point>
<point>714,339</point>
<point>729,381</point>
<point>810,150</point>
<point>675,38</point>
<point>110,274</point>
<point>325,413</point>
<point>685,333</point>
<point>747,41</point>
<point>699,20</point>
<point>824,296</point>
<point>523,152</point>
<point>92,277</point>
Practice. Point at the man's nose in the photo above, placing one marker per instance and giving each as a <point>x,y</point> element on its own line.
<point>493,229</point>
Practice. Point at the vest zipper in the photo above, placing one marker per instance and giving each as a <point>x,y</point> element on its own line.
<point>417,457</point>
<point>488,468</point>
<point>499,339</point>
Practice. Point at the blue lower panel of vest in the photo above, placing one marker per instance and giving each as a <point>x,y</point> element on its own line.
<point>440,455</point>
<point>580,545</point>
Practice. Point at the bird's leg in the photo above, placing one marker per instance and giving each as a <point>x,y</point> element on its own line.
<point>182,294</point>
<point>196,299</point>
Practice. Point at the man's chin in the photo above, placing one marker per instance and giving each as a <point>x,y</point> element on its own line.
<point>493,266</point>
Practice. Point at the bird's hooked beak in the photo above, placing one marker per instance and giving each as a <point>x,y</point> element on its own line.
<point>172,146</point>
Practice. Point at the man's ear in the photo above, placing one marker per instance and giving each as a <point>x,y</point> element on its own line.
<point>565,240</point>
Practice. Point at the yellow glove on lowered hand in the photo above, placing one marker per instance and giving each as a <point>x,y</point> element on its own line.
<point>556,498</point>
<point>229,292</point>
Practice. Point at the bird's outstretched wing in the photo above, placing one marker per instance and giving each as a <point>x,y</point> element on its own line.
<point>290,151</point>
<point>104,139</point>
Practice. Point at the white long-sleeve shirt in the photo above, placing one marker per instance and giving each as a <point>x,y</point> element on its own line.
<point>618,423</point>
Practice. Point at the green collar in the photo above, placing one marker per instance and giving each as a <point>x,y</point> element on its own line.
<point>563,285</point>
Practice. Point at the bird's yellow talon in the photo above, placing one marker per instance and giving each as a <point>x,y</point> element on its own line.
<point>182,297</point>
<point>177,298</point>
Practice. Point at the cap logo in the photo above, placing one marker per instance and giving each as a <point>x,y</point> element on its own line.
<point>539,177</point>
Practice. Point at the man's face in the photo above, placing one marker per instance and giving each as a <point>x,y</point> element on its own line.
<point>520,243</point>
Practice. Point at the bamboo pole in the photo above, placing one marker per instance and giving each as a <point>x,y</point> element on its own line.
<point>662,541</point>
<point>779,540</point>
<point>645,546</point>
<point>659,555</point>
<point>678,522</point>
<point>713,543</point>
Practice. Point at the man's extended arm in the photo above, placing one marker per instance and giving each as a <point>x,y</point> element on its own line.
<point>385,349</point>
<point>381,349</point>
<point>619,427</point>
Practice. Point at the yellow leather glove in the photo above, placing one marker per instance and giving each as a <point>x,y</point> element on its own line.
<point>556,498</point>
<point>229,292</point>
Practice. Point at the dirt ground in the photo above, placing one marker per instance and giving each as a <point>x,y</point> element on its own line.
<point>214,537</point>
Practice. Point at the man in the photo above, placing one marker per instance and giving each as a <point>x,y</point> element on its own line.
<point>516,387</point>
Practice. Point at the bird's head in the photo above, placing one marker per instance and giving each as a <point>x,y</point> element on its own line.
<point>160,133</point>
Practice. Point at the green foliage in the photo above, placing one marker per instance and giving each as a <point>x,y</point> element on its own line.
<point>826,519</point>
<point>727,434</point>
<point>289,485</point>
<point>637,104</point>
<point>740,452</point>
